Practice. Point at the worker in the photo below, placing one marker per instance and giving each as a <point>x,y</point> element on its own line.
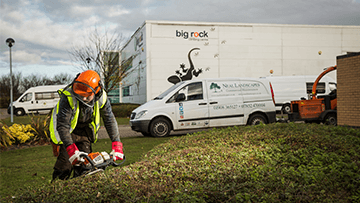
<point>75,122</point>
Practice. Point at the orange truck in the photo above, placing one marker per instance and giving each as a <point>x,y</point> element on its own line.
<point>316,109</point>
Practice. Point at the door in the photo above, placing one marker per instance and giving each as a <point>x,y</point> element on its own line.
<point>225,103</point>
<point>192,111</point>
<point>26,102</point>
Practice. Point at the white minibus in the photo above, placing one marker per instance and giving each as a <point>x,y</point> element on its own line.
<point>40,99</point>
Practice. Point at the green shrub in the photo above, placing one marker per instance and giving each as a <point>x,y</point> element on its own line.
<point>123,110</point>
<point>4,101</point>
<point>41,126</point>
<point>264,163</point>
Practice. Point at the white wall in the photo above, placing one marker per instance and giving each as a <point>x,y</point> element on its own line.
<point>136,48</point>
<point>238,50</point>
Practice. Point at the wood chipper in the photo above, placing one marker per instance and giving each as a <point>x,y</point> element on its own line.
<point>316,109</point>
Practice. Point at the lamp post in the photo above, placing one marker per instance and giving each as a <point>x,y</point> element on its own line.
<point>10,42</point>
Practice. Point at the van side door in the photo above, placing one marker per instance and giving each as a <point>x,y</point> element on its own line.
<point>26,102</point>
<point>191,107</point>
<point>225,102</point>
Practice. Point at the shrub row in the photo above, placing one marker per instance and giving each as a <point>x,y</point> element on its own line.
<point>123,110</point>
<point>265,163</point>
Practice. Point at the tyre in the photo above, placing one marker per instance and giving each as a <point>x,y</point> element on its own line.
<point>19,112</point>
<point>160,127</point>
<point>146,134</point>
<point>257,119</point>
<point>330,119</point>
<point>286,108</point>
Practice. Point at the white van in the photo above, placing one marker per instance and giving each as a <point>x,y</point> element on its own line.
<point>206,103</point>
<point>40,99</point>
<point>290,88</point>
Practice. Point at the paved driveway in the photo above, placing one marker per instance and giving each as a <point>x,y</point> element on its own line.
<point>125,131</point>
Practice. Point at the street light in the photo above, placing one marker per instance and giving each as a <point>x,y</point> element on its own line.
<point>88,59</point>
<point>10,42</point>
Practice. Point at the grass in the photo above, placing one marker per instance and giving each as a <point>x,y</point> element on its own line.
<point>32,167</point>
<point>266,163</point>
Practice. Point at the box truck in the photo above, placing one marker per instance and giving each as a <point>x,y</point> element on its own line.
<point>206,103</point>
<point>289,88</point>
<point>40,99</point>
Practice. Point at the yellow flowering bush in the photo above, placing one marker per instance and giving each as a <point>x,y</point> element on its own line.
<point>5,137</point>
<point>19,132</point>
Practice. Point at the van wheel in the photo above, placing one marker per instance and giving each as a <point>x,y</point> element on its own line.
<point>19,112</point>
<point>146,134</point>
<point>160,128</point>
<point>330,119</point>
<point>257,119</point>
<point>286,108</point>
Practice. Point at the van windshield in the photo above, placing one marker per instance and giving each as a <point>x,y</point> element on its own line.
<point>162,95</point>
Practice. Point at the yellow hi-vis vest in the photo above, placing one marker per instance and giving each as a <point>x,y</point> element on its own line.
<point>74,104</point>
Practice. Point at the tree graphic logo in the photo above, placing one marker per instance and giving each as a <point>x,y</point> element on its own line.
<point>214,86</point>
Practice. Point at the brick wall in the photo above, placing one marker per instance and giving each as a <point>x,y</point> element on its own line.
<point>348,89</point>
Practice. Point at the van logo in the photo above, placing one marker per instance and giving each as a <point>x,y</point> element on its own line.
<point>214,86</point>
<point>181,110</point>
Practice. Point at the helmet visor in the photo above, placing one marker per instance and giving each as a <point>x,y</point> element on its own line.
<point>83,90</point>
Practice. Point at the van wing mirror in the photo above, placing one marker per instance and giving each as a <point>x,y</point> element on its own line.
<point>180,97</point>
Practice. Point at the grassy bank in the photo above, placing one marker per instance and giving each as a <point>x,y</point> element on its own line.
<point>273,163</point>
<point>32,167</point>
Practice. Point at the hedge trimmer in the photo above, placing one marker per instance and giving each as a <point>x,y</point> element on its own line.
<point>97,162</point>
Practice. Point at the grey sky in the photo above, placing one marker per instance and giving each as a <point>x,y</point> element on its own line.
<point>45,29</point>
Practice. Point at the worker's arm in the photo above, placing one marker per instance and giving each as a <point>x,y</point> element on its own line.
<point>64,121</point>
<point>113,131</point>
<point>110,122</point>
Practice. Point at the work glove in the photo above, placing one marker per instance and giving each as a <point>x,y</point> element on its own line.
<point>117,151</point>
<point>74,154</point>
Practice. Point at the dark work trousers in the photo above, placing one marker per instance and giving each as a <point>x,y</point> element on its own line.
<point>63,167</point>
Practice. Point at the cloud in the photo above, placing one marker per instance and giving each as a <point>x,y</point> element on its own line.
<point>44,30</point>
<point>23,56</point>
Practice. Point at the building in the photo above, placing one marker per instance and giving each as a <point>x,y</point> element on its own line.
<point>161,53</point>
<point>348,91</point>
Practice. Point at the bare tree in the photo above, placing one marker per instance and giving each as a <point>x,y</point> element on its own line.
<point>21,84</point>
<point>101,52</point>
<point>62,79</point>
<point>5,88</point>
<point>34,80</point>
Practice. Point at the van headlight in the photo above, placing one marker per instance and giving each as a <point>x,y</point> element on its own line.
<point>141,114</point>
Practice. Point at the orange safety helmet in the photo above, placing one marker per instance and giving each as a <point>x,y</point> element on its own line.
<point>87,83</point>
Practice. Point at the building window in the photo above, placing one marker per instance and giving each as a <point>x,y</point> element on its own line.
<point>127,91</point>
